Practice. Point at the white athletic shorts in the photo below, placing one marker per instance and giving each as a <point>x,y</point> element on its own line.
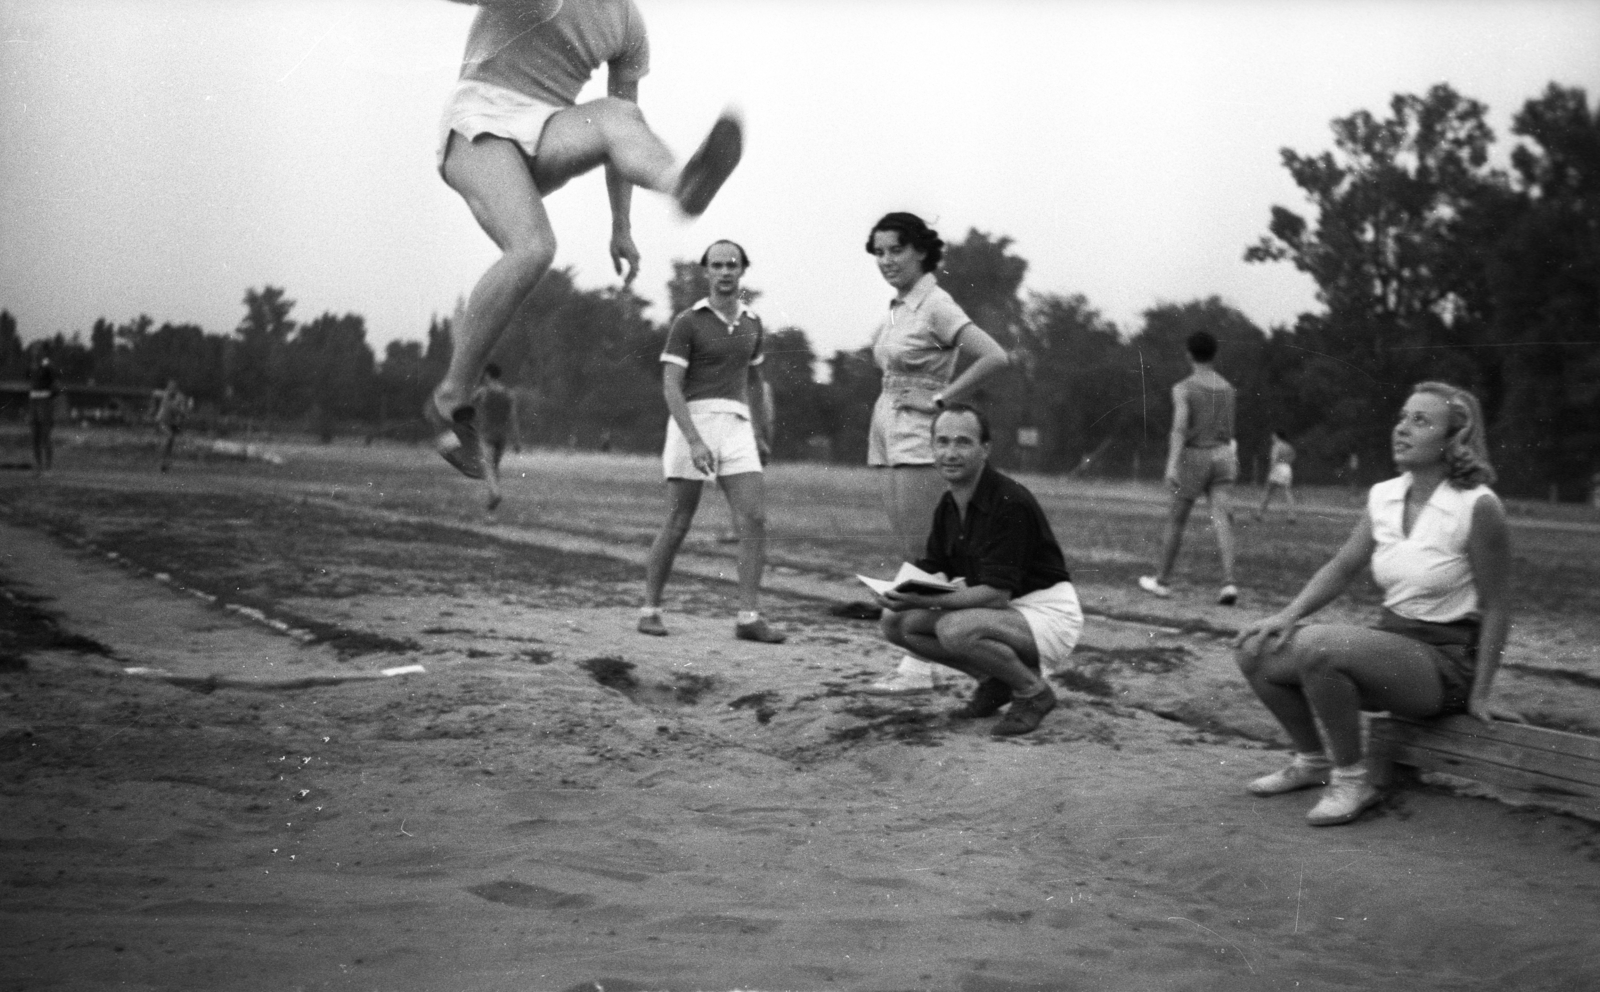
<point>1281,475</point>
<point>1056,620</point>
<point>725,427</point>
<point>478,108</point>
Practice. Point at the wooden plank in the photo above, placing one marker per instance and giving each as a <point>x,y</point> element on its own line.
<point>1510,776</point>
<point>1486,748</point>
<point>1538,738</point>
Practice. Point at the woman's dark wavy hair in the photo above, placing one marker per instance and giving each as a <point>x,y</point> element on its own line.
<point>911,231</point>
<point>1466,447</point>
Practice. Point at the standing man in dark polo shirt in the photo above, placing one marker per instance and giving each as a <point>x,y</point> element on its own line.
<point>1015,610</point>
<point>711,368</point>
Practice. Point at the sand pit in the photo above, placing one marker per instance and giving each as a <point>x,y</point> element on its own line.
<point>559,803</point>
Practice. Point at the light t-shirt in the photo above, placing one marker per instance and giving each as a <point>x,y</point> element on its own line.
<point>518,45</point>
<point>920,335</point>
<point>716,355</point>
<point>1425,575</point>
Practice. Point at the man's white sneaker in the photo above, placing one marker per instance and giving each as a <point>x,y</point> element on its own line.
<point>1229,595</point>
<point>1347,796</point>
<point>1302,773</point>
<point>1154,586</point>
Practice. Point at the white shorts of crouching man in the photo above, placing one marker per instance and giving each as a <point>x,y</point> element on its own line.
<point>725,428</point>
<point>1056,620</point>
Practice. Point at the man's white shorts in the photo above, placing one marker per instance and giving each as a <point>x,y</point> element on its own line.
<point>1056,620</point>
<point>482,108</point>
<point>725,427</point>
<point>1281,475</point>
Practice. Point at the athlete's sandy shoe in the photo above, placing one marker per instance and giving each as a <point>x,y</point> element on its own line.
<point>758,631</point>
<point>458,442</point>
<point>988,698</point>
<point>711,165</point>
<point>1348,795</point>
<point>1303,772</point>
<point>1025,713</point>
<point>1229,595</point>
<point>651,623</point>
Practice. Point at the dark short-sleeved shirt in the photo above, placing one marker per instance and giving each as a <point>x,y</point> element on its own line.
<point>521,47</point>
<point>716,355</point>
<point>1210,401</point>
<point>1005,542</point>
<point>496,406</point>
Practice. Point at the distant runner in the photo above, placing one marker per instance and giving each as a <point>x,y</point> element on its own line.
<point>42,392</point>
<point>171,408</point>
<point>1280,477</point>
<point>497,405</point>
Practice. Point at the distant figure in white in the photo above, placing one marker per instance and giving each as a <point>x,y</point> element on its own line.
<point>171,409</point>
<point>917,345</point>
<point>512,133</point>
<point>1280,477</point>
<point>710,372</point>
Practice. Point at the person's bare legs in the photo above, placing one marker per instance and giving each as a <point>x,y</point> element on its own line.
<point>683,499</point>
<point>1222,520</point>
<point>911,494</point>
<point>985,644</point>
<point>506,198</point>
<point>492,453</point>
<point>1172,536</point>
<point>1326,674</point>
<point>746,493</point>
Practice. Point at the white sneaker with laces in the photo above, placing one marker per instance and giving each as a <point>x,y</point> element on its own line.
<point>1154,586</point>
<point>914,675</point>
<point>1303,772</point>
<point>1347,796</point>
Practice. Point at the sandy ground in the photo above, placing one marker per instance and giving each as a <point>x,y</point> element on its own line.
<point>558,803</point>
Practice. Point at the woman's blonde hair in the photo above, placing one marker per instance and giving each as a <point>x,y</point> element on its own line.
<point>1466,448</point>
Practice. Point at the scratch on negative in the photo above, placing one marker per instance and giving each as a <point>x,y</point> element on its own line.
<point>1220,937</point>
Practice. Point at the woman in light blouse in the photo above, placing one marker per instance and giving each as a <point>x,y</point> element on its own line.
<point>1437,541</point>
<point>917,345</point>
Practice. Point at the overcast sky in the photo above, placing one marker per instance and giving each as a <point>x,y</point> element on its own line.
<point>162,156</point>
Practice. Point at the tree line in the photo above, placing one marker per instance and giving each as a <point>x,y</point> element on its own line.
<point>1429,262</point>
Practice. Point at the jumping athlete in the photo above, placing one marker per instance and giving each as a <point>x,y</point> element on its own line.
<point>512,133</point>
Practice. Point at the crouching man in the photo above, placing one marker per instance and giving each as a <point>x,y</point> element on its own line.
<point>1014,610</point>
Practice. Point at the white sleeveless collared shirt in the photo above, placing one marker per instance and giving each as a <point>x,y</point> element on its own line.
<point>1425,575</point>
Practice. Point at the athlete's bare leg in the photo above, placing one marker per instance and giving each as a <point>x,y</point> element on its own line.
<point>746,494</point>
<point>506,198</point>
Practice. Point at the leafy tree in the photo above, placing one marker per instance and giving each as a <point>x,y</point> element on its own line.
<point>1395,252</point>
<point>1544,275</point>
<point>257,376</point>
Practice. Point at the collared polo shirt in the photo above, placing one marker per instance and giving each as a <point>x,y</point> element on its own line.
<point>921,334</point>
<point>716,355</point>
<point>521,47</point>
<point>1005,541</point>
<point>1427,574</point>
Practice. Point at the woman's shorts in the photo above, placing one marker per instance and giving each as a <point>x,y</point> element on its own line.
<point>1201,468</point>
<point>1056,620</point>
<point>478,108</point>
<point>1282,474</point>
<point>726,432</point>
<point>1454,647</point>
<point>899,436</point>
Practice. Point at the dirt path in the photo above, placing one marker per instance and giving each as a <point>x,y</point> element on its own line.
<point>557,802</point>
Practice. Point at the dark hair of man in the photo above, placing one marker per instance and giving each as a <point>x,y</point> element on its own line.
<point>1202,346</point>
<point>705,256</point>
<point>949,408</point>
<point>913,232</point>
<point>492,370</point>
